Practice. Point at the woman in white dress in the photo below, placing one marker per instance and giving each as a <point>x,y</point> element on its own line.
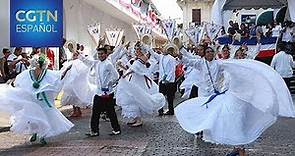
<point>31,102</point>
<point>77,89</point>
<point>138,94</point>
<point>237,108</point>
<point>191,80</point>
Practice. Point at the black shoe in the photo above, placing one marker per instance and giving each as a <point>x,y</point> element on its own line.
<point>137,124</point>
<point>169,113</point>
<point>115,133</point>
<point>131,123</point>
<point>161,112</point>
<point>201,133</point>
<point>33,138</point>
<point>92,134</point>
<point>43,141</point>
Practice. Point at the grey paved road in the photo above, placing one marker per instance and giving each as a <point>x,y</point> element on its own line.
<point>158,136</point>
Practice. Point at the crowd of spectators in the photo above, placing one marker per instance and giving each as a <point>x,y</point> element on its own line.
<point>16,60</point>
<point>285,31</point>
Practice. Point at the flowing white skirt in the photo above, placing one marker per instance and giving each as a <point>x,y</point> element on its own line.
<point>189,81</point>
<point>29,115</point>
<point>227,120</point>
<point>77,89</point>
<point>256,96</point>
<point>136,99</point>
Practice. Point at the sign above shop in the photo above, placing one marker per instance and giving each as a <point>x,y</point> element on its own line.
<point>36,23</point>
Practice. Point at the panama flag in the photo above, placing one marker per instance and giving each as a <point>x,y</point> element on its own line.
<point>264,49</point>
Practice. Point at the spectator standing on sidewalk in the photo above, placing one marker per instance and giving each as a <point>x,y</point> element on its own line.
<point>283,63</point>
<point>4,64</point>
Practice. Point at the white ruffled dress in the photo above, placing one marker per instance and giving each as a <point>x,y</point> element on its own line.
<point>77,89</point>
<point>30,113</point>
<point>138,94</point>
<point>191,79</point>
<point>191,75</point>
<point>256,96</point>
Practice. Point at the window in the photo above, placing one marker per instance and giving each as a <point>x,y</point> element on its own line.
<point>196,16</point>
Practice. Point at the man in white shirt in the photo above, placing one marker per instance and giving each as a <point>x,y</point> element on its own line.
<point>13,60</point>
<point>283,63</point>
<point>288,32</point>
<point>23,64</point>
<point>276,31</point>
<point>4,68</point>
<point>105,77</point>
<point>18,61</point>
<point>167,85</point>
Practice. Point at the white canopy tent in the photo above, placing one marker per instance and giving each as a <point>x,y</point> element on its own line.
<point>221,5</point>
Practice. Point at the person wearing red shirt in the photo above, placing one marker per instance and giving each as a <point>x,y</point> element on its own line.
<point>50,56</point>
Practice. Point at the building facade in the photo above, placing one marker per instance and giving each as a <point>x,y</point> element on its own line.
<point>195,11</point>
<point>79,14</point>
<point>120,14</point>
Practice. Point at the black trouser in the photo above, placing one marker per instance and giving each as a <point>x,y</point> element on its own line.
<point>103,104</point>
<point>2,79</point>
<point>168,89</point>
<point>288,82</point>
<point>194,92</point>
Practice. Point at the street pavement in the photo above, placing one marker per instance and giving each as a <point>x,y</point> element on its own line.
<point>158,136</point>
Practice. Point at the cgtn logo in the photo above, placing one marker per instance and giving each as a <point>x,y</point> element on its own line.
<point>36,23</point>
<point>37,20</point>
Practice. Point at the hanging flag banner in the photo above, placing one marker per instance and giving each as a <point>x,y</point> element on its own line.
<point>35,23</point>
<point>195,33</point>
<point>148,29</point>
<point>114,36</point>
<point>177,32</point>
<point>212,29</point>
<point>142,29</point>
<point>169,28</point>
<point>136,3</point>
<point>125,3</point>
<point>139,29</point>
<point>94,32</point>
<point>121,34</point>
<point>135,7</point>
